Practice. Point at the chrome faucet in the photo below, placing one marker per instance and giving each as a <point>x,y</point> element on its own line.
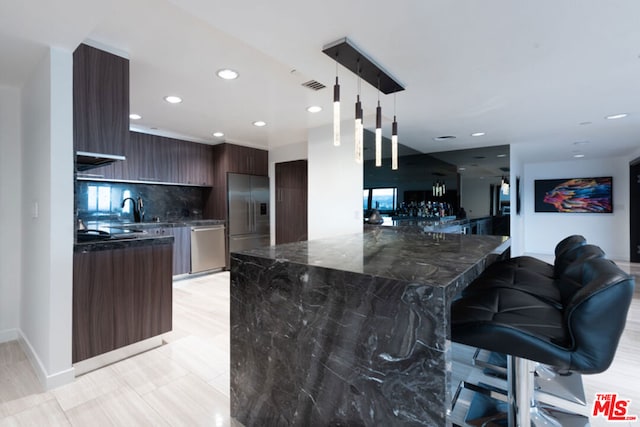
<point>138,208</point>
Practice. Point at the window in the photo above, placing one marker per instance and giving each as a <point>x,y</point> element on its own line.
<point>98,198</point>
<point>383,199</point>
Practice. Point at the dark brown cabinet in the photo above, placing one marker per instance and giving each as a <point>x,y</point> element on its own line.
<point>291,201</point>
<point>155,158</point>
<point>195,163</point>
<point>181,246</point>
<point>247,160</point>
<point>120,296</point>
<point>100,101</point>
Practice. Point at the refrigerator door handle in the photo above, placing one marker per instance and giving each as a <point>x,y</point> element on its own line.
<point>251,216</point>
<point>248,215</point>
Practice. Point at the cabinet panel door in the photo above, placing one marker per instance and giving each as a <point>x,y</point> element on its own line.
<point>93,302</point>
<point>100,101</point>
<point>142,299</point>
<point>291,201</point>
<point>181,250</point>
<point>195,164</point>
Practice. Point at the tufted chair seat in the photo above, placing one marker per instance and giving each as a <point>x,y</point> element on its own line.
<point>555,289</point>
<point>580,334</point>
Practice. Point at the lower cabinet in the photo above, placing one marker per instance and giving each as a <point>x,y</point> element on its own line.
<point>120,296</point>
<point>181,247</point>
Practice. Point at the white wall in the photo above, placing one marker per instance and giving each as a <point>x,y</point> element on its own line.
<point>335,184</point>
<point>475,195</point>
<point>286,153</point>
<point>47,227</point>
<point>10,214</point>
<point>542,231</point>
<point>516,226</point>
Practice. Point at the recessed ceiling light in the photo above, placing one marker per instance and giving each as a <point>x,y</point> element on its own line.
<point>478,134</point>
<point>172,99</point>
<point>584,123</point>
<point>259,123</point>
<point>578,156</point>
<point>462,169</point>
<point>501,155</point>
<point>314,109</point>
<point>218,134</point>
<point>134,116</point>
<point>581,142</point>
<point>227,74</point>
<point>444,137</point>
<point>616,116</point>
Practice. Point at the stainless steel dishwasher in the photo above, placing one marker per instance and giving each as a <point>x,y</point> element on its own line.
<point>207,248</point>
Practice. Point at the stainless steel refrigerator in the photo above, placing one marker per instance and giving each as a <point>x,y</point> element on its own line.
<point>248,216</point>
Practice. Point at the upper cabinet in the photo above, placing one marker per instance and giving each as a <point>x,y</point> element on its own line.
<point>100,101</point>
<point>155,158</point>
<point>251,161</point>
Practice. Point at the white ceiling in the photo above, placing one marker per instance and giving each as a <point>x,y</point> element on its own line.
<point>523,72</point>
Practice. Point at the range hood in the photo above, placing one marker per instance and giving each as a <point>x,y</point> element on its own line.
<point>86,160</point>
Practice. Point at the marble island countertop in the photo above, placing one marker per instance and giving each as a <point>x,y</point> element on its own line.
<point>350,330</point>
<point>392,253</point>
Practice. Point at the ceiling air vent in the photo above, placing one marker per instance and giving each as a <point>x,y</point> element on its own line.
<point>313,85</point>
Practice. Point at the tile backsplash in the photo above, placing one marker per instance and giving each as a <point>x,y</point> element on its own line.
<point>102,201</point>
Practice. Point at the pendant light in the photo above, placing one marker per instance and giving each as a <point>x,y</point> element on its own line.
<point>378,130</point>
<point>394,138</point>
<point>336,109</point>
<point>359,127</point>
<point>345,52</point>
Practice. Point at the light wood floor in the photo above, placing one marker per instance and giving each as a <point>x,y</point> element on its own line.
<point>186,381</point>
<point>182,383</point>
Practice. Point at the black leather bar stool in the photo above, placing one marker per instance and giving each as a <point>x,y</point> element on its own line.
<point>581,336</point>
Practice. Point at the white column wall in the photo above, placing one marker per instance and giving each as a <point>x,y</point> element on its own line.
<point>47,227</point>
<point>11,212</point>
<point>335,184</point>
<point>516,167</point>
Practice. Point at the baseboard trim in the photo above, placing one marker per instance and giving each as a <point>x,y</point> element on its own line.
<point>97,362</point>
<point>8,335</point>
<point>48,381</point>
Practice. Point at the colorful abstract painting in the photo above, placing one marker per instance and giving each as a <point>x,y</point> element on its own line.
<point>590,195</point>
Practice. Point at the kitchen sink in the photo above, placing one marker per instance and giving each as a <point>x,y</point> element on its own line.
<point>109,233</point>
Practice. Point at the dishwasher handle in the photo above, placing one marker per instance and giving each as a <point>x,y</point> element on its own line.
<point>215,227</point>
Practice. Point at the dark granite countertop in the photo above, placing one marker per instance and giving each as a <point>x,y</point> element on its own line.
<point>104,245</point>
<point>152,224</point>
<point>397,253</point>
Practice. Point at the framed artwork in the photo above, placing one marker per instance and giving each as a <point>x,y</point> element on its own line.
<point>584,195</point>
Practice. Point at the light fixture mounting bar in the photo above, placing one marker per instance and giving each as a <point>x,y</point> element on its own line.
<point>349,56</point>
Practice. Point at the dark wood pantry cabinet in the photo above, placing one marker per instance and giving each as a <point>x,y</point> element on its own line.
<point>291,201</point>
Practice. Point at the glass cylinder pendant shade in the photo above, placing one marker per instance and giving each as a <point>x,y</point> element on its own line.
<point>378,135</point>
<point>394,144</point>
<point>336,114</point>
<point>359,132</point>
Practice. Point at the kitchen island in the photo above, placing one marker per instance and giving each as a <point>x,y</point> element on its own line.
<point>352,330</point>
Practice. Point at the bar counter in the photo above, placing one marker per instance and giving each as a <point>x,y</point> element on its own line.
<point>352,330</point>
